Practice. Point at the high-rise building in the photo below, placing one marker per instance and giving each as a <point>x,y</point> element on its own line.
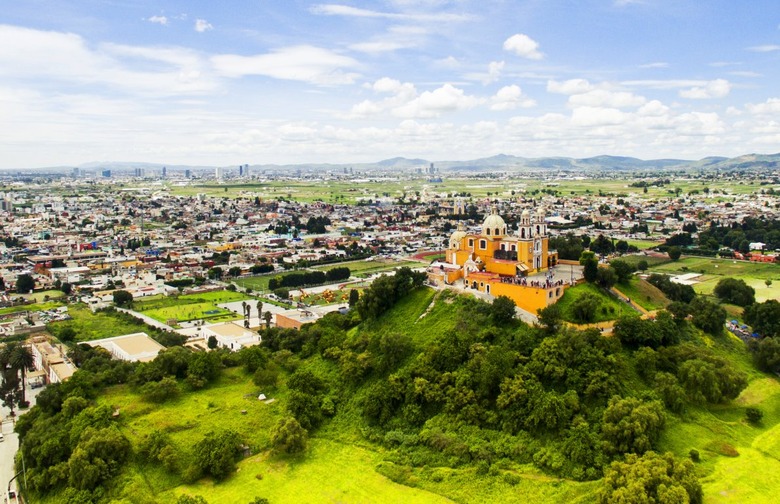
<point>187,174</point>
<point>76,172</point>
<point>138,172</point>
<point>218,171</point>
<point>164,171</point>
<point>246,171</point>
<point>106,173</point>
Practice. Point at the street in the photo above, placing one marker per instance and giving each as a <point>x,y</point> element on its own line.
<point>9,447</point>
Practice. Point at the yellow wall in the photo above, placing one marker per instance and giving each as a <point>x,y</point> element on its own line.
<point>529,299</point>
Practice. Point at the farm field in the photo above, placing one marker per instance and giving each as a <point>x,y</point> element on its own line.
<point>345,192</point>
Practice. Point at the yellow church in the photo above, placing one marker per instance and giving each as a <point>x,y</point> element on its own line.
<point>500,264</point>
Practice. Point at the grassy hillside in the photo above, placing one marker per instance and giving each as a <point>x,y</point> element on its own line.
<point>455,446</point>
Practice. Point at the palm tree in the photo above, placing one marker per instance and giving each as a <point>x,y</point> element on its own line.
<point>267,318</point>
<point>21,359</point>
<point>259,309</point>
<point>243,308</point>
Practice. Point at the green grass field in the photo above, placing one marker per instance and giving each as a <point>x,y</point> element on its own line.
<point>191,306</point>
<point>644,244</point>
<point>644,294</point>
<point>609,308</point>
<point>90,326</point>
<point>713,270</point>
<point>364,269</point>
<point>49,305</point>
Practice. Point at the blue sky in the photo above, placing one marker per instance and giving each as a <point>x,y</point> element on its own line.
<point>290,81</point>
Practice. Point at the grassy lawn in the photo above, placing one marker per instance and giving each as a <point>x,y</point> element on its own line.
<point>191,306</point>
<point>609,308</point>
<point>367,268</point>
<point>90,326</point>
<point>652,261</point>
<point>42,296</point>
<point>644,244</point>
<point>644,294</point>
<point>31,307</point>
<point>713,270</point>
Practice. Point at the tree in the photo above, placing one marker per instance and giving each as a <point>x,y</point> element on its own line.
<point>764,317</point>
<point>735,291</point>
<point>651,478</point>
<point>259,307</point>
<point>20,359</point>
<point>217,453</point>
<point>502,311</point>
<point>584,308</point>
<point>235,271</point>
<point>122,298</point>
<point>288,436</point>
<point>754,415</point>
<point>191,499</point>
<point>354,296</point>
<point>623,270</point>
<point>550,318</point>
<point>212,342</point>
<point>642,265</point>
<point>766,354</point>
<point>268,316</point>
<point>24,283</point>
<point>674,253</point>
<point>215,273</point>
<point>708,317</point>
<point>630,425</point>
<point>66,288</point>
<point>606,277</point>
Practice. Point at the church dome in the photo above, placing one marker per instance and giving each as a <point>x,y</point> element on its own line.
<point>457,236</point>
<point>494,225</point>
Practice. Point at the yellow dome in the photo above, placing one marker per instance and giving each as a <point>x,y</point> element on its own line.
<point>494,225</point>
<point>457,236</point>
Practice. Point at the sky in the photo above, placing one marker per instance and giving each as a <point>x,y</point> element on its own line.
<point>290,81</point>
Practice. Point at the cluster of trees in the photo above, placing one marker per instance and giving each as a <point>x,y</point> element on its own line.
<point>15,361</point>
<point>309,278</point>
<point>386,290</point>
<point>738,236</point>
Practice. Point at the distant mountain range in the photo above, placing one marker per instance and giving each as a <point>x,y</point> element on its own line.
<point>500,162</point>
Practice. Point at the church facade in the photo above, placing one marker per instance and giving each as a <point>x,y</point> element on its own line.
<point>502,264</point>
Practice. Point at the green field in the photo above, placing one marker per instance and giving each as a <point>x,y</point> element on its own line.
<point>346,192</point>
<point>644,244</point>
<point>362,269</point>
<point>713,270</point>
<point>90,326</point>
<point>609,308</point>
<point>643,293</point>
<point>49,305</point>
<point>191,306</point>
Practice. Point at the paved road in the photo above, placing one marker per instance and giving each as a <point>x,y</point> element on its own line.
<point>9,447</point>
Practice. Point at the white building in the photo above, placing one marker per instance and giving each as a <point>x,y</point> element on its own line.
<point>136,347</point>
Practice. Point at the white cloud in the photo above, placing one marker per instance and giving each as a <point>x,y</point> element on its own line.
<point>201,25</point>
<point>158,19</point>
<point>569,87</point>
<point>717,88</point>
<point>447,98</point>
<point>523,46</point>
<point>349,11</point>
<point>66,57</point>
<point>597,116</point>
<point>449,62</point>
<point>657,64</point>
<point>764,48</point>
<point>653,108</point>
<point>377,47</point>
<point>299,63</point>
<point>510,98</point>
<point>607,98</point>
<point>492,75</point>
<point>771,106</point>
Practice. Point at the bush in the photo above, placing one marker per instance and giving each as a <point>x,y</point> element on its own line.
<point>754,415</point>
<point>584,308</point>
<point>694,454</point>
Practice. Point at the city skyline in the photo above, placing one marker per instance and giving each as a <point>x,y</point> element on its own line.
<point>303,82</point>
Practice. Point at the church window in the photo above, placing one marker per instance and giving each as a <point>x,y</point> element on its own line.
<point>497,231</point>
<point>482,244</point>
<point>488,231</point>
<point>471,242</point>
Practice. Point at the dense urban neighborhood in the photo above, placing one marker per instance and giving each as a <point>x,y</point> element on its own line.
<point>190,268</point>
